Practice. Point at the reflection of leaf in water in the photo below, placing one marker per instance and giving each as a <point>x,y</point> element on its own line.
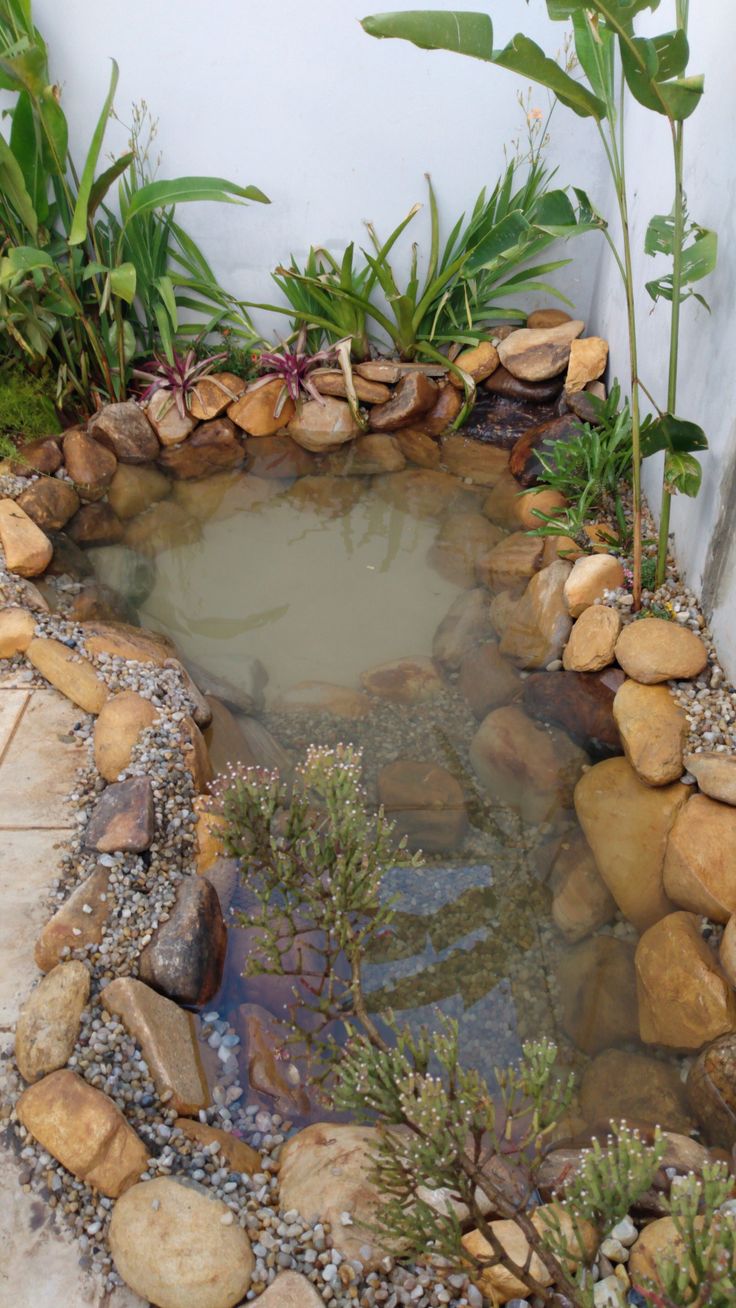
<point>226,628</point>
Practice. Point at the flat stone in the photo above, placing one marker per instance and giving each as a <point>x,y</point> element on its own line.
<point>653,650</point>
<point>170,426</point>
<point>367,456</point>
<point>212,447</point>
<point>277,457</point>
<point>69,671</point>
<point>582,901</point>
<point>186,956</point>
<point>322,696</point>
<point>462,541</point>
<point>122,641</point>
<point>167,1036</point>
<point>510,564</point>
<point>212,395</point>
<point>79,922</point>
<point>502,382</point>
<point>415,395</point>
<point>444,411</point>
<point>487,679</point>
<point>714,773</point>
<point>711,1091</point>
<point>84,1130</point>
<point>48,1026</point>
<point>653,732</point>
<point>532,769</point>
<point>133,490</point>
<point>418,446</point>
<point>96,524</point>
<point>637,1088</point>
<point>524,462</point>
<point>27,550</point>
<point>117,731</point>
<point>547,318</point>
<point>473,460</point>
<point>124,429</point>
<point>42,455</point>
<point>579,702</point>
<point>175,1244</point>
<point>89,464</point>
<point>540,624</point>
<point>388,371</point>
<point>290,1290</point>
<point>426,803</point>
<point>50,502</point>
<point>330,381</point>
<point>627,824</point>
<point>591,576</point>
<point>598,993</point>
<point>123,819</point>
<point>272,1074</point>
<point>240,1156</point>
<point>465,625</point>
<point>592,641</point>
<point>538,353</point>
<point>263,409</point>
<point>17,629</point>
<point>701,857</point>
<point>684,999</point>
<point>588,359</point>
<point>403,681</point>
<point>479,362</point>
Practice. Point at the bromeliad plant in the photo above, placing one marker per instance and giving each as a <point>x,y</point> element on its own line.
<point>293,364</point>
<point>177,379</point>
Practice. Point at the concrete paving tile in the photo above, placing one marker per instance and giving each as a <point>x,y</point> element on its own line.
<point>29,860</point>
<point>12,703</point>
<point>38,769</point>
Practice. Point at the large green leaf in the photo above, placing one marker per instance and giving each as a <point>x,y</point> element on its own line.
<point>78,230</point>
<point>13,188</point>
<point>455,30</point>
<point>183,190</point>
<point>123,281</point>
<point>626,10</point>
<point>525,57</point>
<point>682,473</point>
<point>102,184</point>
<point>27,148</point>
<point>675,435</point>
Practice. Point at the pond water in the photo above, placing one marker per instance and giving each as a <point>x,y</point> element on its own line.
<point>322,579</point>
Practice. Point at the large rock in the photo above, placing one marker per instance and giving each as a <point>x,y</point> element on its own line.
<point>126,571</point>
<point>711,1091</point>
<point>50,502</point>
<point>117,731</point>
<point>27,550</point>
<point>167,1036</point>
<point>178,1246</point>
<point>48,1025</point>
<point>591,576</point>
<point>479,362</point>
<point>403,681</point>
<point>171,426</point>
<point>627,824</point>
<point>501,382</point>
<point>89,464</point>
<point>323,425</point>
<point>79,922</point>
<point>419,446</point>
<point>426,803</point>
<point>186,956</point>
<point>501,611</point>
<point>325,1172</point>
<point>444,411</point>
<point>653,731</point>
<point>653,650</point>
<point>124,429</point>
<point>212,395</point>
<point>123,641</point>
<point>462,541</point>
<point>592,641</point>
<point>133,490</point>
<point>598,993</point>
<point>642,1090</point>
<point>582,901</point>
<point>424,492</point>
<point>538,353</point>
<point>322,696</point>
<point>69,671</point>
<point>196,755</point>
<point>684,998</point>
<point>42,455</point>
<point>84,1130</point>
<point>500,1285</point>
<point>579,702</point>
<point>331,381</point>
<point>123,818</point>
<point>588,359</point>
<point>276,457</point>
<point>510,564</point>
<point>531,769</point>
<point>96,524</point>
<point>255,412</point>
<point>367,456</point>
<point>524,461</point>
<point>700,862</point>
<point>415,394</point>
<point>212,447</point>
<point>715,775</point>
<point>465,624</point>
<point>473,460</point>
<point>487,679</point>
<point>17,629</point>
<point>540,623</point>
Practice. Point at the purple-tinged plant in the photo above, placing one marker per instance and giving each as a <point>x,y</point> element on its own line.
<point>292,364</point>
<point>178,377</point>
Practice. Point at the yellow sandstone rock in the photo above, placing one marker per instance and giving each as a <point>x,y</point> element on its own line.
<point>69,671</point>
<point>28,551</point>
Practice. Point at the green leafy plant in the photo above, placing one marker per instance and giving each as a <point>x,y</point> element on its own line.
<point>26,409</point>
<point>700,1272</point>
<point>315,294</point>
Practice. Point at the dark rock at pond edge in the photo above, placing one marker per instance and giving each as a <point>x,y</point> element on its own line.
<point>186,956</point>
<point>711,1091</point>
<point>502,383</point>
<point>123,819</point>
<point>597,981</point>
<point>583,405</point>
<point>213,447</point>
<point>96,524</point>
<point>498,421</point>
<point>579,702</point>
<point>49,502</point>
<point>124,429</point>
<point>69,560</point>
<point>524,462</point>
<point>42,455</point>
<point>415,394</point>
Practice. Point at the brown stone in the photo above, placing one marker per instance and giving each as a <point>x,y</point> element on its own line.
<point>17,629</point>
<point>473,460</point>
<point>327,495</point>
<point>700,861</point>
<point>540,624</point>
<point>711,1091</point>
<point>69,671</point>
<point>240,1156</point>
<point>465,625</point>
<point>124,429</point>
<point>213,447</point>
<point>598,993</point>
<point>388,371</point>
<point>501,382</point>
<point>524,461</point>
<point>684,998</point>
<point>487,680</point>
<point>511,563</point>
<point>582,901</point>
<point>90,465</point>
<point>209,828</point>
<point>123,641</point>
<point>653,650</point>
<point>50,502</point>
<point>592,641</point>
<point>170,426</point>
<point>462,541</point>
<point>196,755</point>
<point>167,1036</point>
<point>479,362</point>
<point>501,611</point>
<point>415,395</point>
<point>212,395</point>
<point>272,1074</point>
<point>653,731</point>
<point>424,493</point>
<point>538,353</point>
<point>500,1285</point>
<point>588,359</point>
<point>133,490</point>
<point>426,803</point>
<point>579,702</point>
<point>637,1088</point>
<point>84,1130</point>
<point>331,381</point>
<point>123,818</point>
<point>264,408</point>
<point>275,457</point>
<point>177,1246</point>
<point>117,731</point>
<point>224,739</point>
<point>503,504</point>
<point>368,456</point>
<point>727,951</point>
<point>27,550</point>
<point>627,824</point>
<point>541,501</point>
<point>444,411</point>
<point>418,447</point>
<point>591,576</point>
<point>290,1290</point>
<point>48,1026</point>
<point>530,768</point>
<point>322,426</point>
<point>323,697</point>
<point>163,526</point>
<point>42,455</point>
<point>547,318</point>
<point>79,922</point>
<point>403,681</point>
<point>715,775</point>
<point>185,958</point>
<point>96,603</point>
<point>96,524</point>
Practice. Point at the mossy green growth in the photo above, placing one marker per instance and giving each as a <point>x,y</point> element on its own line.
<point>27,409</point>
